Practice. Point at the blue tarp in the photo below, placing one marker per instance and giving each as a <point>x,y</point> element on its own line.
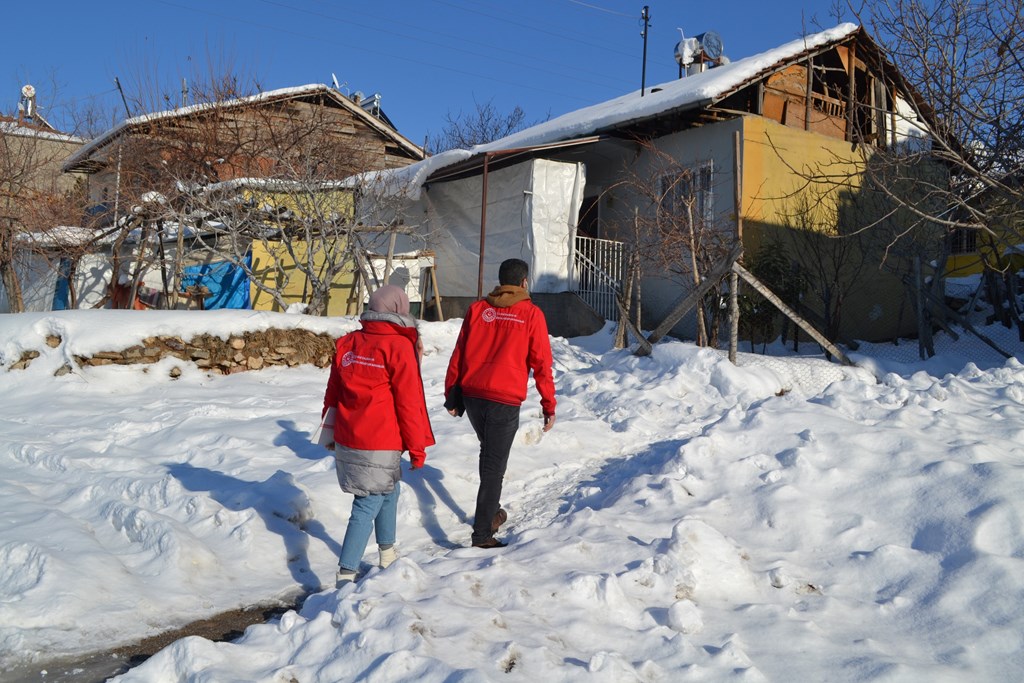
<point>62,292</point>
<point>228,284</point>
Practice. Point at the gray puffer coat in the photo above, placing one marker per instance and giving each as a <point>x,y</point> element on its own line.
<point>366,472</point>
<point>363,473</point>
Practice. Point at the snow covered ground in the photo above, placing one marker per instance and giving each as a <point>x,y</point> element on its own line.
<point>784,520</point>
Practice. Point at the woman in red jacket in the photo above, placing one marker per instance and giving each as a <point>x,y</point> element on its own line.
<point>376,389</point>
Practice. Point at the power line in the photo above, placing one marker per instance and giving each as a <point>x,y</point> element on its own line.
<point>602,9</point>
<point>575,72</point>
<point>391,55</point>
<point>560,36</point>
<point>491,46</point>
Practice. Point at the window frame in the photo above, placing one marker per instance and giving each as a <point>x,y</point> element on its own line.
<point>695,180</point>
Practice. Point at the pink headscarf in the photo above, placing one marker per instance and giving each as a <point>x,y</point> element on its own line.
<point>390,299</point>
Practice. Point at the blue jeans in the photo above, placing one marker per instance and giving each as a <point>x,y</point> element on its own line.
<point>377,512</point>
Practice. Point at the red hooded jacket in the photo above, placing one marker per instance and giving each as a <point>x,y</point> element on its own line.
<point>502,338</point>
<point>376,387</point>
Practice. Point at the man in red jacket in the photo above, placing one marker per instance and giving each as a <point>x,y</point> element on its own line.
<point>503,338</point>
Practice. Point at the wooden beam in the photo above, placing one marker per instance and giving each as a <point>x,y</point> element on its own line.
<point>645,346</point>
<point>790,313</point>
<point>892,117</point>
<point>810,91</point>
<point>437,292</point>
<point>734,284</point>
<point>688,301</point>
<point>850,92</point>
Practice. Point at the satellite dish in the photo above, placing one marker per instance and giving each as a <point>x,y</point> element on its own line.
<point>28,91</point>
<point>711,44</point>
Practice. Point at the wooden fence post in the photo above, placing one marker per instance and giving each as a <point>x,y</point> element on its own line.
<point>734,280</point>
<point>688,301</point>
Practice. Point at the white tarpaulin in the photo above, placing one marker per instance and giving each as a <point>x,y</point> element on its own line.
<point>37,276</point>
<point>91,279</point>
<point>42,285</point>
<point>532,209</point>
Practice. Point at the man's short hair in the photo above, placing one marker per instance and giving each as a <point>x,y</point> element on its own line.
<point>512,272</point>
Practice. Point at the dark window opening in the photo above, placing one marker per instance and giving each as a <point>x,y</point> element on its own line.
<point>588,224</point>
<point>963,241</point>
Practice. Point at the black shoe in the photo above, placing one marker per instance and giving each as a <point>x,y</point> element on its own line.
<point>491,542</point>
<point>500,517</point>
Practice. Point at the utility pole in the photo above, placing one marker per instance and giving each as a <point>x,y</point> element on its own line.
<point>127,111</point>
<point>645,16</point>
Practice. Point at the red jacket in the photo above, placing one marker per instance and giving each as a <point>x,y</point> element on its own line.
<point>502,338</point>
<point>375,385</point>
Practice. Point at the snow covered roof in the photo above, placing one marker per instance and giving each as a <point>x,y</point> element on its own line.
<point>683,93</point>
<point>11,126</point>
<point>63,236</point>
<point>686,93</point>
<point>279,185</point>
<point>271,95</point>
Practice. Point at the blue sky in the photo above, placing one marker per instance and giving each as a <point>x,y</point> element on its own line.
<point>425,57</point>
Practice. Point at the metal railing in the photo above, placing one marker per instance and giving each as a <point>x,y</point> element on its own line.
<point>599,270</point>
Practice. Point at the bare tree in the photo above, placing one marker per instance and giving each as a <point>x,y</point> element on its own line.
<point>233,173</point>
<point>35,198</point>
<point>671,221</point>
<point>965,60</point>
<point>829,256</point>
<point>484,124</point>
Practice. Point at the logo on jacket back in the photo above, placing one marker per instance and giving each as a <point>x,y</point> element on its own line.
<point>490,315</point>
<point>350,357</point>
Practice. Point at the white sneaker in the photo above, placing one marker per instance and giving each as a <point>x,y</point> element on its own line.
<point>387,556</point>
<point>343,577</point>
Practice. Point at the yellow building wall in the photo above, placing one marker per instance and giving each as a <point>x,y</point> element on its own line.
<point>959,265</point>
<point>306,203</point>
<point>270,257</point>
<point>343,296</point>
<point>776,163</point>
<point>991,250</point>
<point>775,160</point>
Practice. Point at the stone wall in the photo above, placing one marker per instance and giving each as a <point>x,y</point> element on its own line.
<point>238,353</point>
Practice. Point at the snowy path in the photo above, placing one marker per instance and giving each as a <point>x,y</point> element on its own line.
<point>786,519</point>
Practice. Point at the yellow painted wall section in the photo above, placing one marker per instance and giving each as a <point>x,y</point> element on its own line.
<point>341,302</point>
<point>319,203</point>
<point>998,256</point>
<point>959,265</point>
<point>775,157</point>
<point>776,162</point>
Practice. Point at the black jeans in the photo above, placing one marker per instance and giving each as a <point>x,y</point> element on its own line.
<point>495,425</point>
